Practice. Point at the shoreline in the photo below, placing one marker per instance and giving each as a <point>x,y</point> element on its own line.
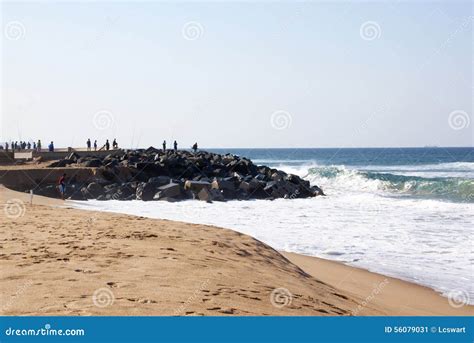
<point>316,286</point>
<point>396,296</point>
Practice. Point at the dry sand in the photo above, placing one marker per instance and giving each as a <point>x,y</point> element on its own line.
<point>56,260</point>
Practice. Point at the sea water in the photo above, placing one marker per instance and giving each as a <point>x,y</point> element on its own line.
<point>402,212</point>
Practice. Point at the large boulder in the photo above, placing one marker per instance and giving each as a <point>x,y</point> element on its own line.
<point>223,184</point>
<point>160,180</point>
<point>145,191</point>
<point>170,190</point>
<point>60,163</point>
<point>73,157</point>
<point>94,163</point>
<point>282,189</point>
<point>196,186</point>
<point>244,186</point>
<point>210,195</point>
<point>92,191</point>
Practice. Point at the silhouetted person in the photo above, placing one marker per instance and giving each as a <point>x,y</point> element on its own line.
<point>107,145</point>
<point>38,145</point>
<point>51,147</point>
<point>175,145</point>
<point>62,185</point>
<point>164,145</point>
<point>6,146</point>
<point>115,144</point>
<point>34,146</point>
<point>95,145</point>
<point>28,146</point>
<point>195,147</point>
<point>88,144</point>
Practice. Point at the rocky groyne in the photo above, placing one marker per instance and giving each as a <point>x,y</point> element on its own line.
<point>153,174</point>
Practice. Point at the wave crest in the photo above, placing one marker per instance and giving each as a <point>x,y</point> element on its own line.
<point>340,179</point>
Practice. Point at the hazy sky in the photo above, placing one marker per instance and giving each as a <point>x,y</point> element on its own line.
<point>248,74</point>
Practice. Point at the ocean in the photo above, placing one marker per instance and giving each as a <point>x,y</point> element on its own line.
<point>402,212</point>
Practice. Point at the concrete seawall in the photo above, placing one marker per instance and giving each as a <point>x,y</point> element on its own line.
<point>27,179</point>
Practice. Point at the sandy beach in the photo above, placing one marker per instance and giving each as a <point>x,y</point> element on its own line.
<point>57,260</point>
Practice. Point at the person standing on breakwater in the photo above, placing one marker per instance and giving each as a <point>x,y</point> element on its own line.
<point>175,146</point>
<point>88,144</point>
<point>195,147</point>
<point>164,146</point>
<point>38,145</point>
<point>115,144</point>
<point>34,146</point>
<point>62,185</point>
<point>51,147</point>
<point>107,145</point>
<point>6,146</point>
<point>95,145</point>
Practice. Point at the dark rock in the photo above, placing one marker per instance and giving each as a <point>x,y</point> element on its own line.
<point>145,191</point>
<point>92,191</point>
<point>171,190</point>
<point>210,195</point>
<point>216,195</point>
<point>245,186</point>
<point>282,189</point>
<point>223,184</point>
<point>95,163</point>
<point>61,163</point>
<point>315,191</point>
<point>160,180</point>
<point>196,186</point>
<point>141,174</point>
<point>125,192</point>
<point>73,157</point>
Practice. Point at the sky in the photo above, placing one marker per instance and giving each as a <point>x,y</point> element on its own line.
<point>238,74</point>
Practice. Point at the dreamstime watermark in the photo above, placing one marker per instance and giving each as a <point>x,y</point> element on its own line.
<point>459,120</point>
<point>370,208</point>
<point>14,30</point>
<point>458,298</point>
<point>370,30</point>
<point>192,30</point>
<point>281,120</point>
<point>103,120</point>
<point>20,290</point>
<point>281,297</point>
<point>46,331</point>
<point>14,208</point>
<point>191,299</point>
<point>375,291</point>
<point>91,221</point>
<point>103,297</point>
<point>193,209</point>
